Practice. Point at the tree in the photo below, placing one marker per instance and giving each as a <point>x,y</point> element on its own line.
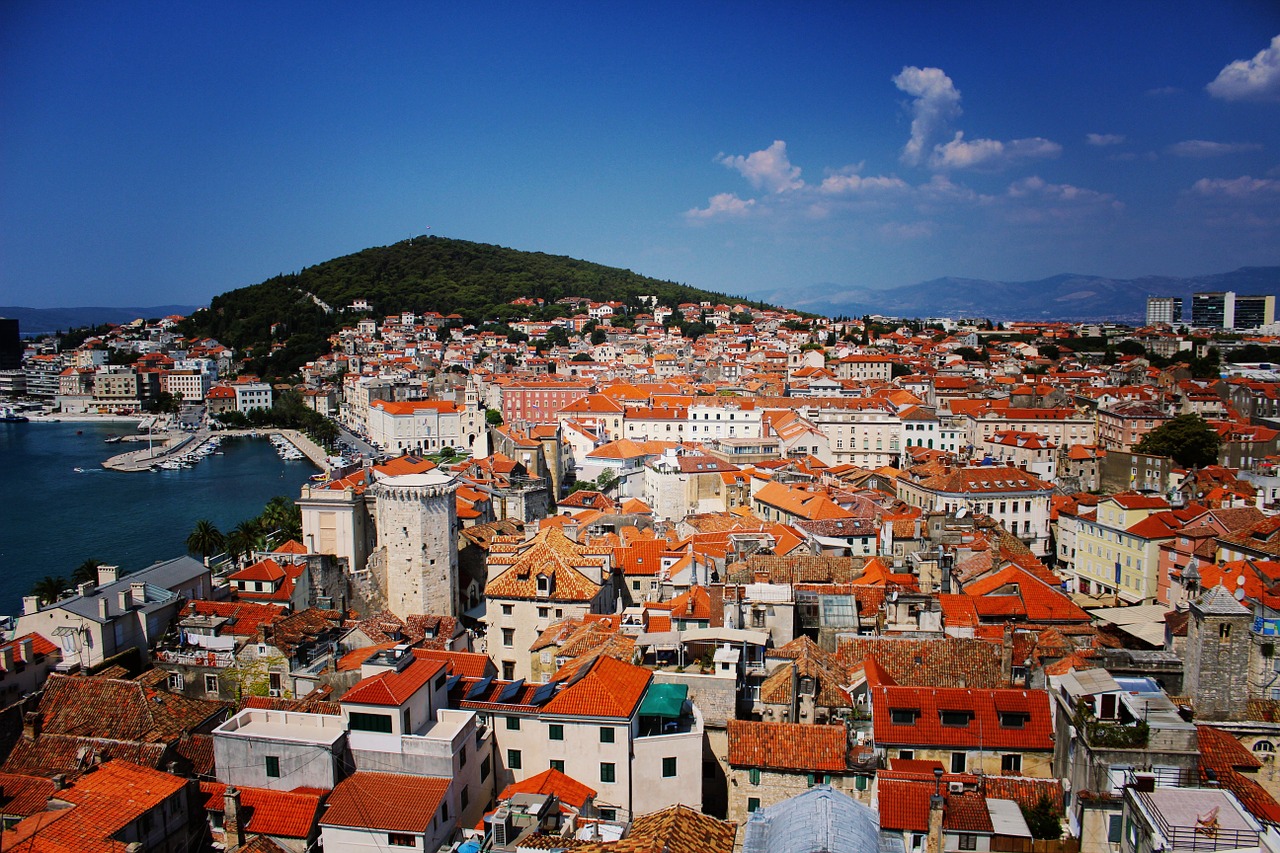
<point>205,539</point>
<point>1190,441</point>
<point>1050,352</point>
<point>282,514</point>
<point>86,572</point>
<point>49,588</point>
<point>493,417</point>
<point>1043,819</point>
<point>245,538</point>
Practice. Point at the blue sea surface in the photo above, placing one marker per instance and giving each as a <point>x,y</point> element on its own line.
<point>53,518</point>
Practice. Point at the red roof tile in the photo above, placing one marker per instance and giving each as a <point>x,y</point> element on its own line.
<point>788,746</point>
<point>983,729</point>
<point>392,688</point>
<point>287,814</point>
<point>391,802</point>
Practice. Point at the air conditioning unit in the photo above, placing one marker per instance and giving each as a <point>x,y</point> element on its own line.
<point>955,787</point>
<point>274,692</point>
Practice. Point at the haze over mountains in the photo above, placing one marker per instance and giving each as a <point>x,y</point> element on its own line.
<point>43,321</point>
<point>1060,297</point>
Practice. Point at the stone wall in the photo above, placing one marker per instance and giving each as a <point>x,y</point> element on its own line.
<point>714,695</point>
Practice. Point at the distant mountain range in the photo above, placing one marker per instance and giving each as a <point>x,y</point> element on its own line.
<point>1060,297</point>
<point>43,321</point>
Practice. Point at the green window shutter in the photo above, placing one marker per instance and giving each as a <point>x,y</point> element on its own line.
<point>754,774</point>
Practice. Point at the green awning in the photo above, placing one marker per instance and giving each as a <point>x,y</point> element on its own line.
<point>664,700</point>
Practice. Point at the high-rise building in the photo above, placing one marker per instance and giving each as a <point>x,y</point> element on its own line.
<point>1213,310</point>
<point>1228,310</point>
<point>1164,310</point>
<point>10,345</point>
<point>1253,312</point>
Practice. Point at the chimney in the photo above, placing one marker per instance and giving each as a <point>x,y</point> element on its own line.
<point>86,589</point>
<point>26,647</point>
<point>1006,655</point>
<point>935,814</point>
<point>59,781</point>
<point>30,604</point>
<point>108,574</point>
<point>123,596</point>
<point>232,831</point>
<point>31,725</point>
<point>104,607</point>
<point>138,590</point>
<point>6,658</point>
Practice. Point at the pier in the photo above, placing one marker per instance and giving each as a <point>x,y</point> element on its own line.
<point>169,446</point>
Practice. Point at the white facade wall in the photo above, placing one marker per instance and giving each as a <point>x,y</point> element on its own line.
<point>722,420</point>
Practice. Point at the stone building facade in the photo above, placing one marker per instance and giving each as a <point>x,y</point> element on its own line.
<point>417,523</point>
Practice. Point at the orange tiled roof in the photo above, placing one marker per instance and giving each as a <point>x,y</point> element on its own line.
<point>611,688</point>
<point>788,746</point>
<point>391,802</point>
<point>392,688</point>
<point>569,790</point>
<point>287,814</point>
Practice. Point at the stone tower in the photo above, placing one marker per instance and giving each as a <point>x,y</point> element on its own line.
<point>1216,670</point>
<point>417,521</point>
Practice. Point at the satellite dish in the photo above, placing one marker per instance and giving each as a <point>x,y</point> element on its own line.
<point>893,596</point>
<point>1239,593</point>
<point>1240,580</point>
<point>962,512</point>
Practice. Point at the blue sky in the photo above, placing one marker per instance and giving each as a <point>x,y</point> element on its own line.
<point>165,152</point>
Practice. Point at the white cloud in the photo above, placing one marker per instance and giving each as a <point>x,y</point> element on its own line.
<point>1240,188</point>
<point>722,206</point>
<point>1204,148</point>
<point>1256,79</point>
<point>768,169</point>
<point>1102,140</point>
<point>937,101</point>
<point>851,183</point>
<point>990,153</point>
<point>1037,187</point>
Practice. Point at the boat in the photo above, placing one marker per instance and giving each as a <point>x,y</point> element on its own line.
<point>78,470</point>
<point>114,439</point>
<point>8,415</point>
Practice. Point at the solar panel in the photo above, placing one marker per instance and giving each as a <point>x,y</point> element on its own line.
<point>452,682</point>
<point>543,693</point>
<point>478,689</point>
<point>509,692</point>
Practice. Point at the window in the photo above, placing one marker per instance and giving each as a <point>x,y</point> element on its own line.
<point>608,814</point>
<point>273,766</point>
<point>401,839</point>
<point>555,731</point>
<point>1011,720</point>
<point>1224,631</point>
<point>508,670</point>
<point>606,734</point>
<point>753,804</point>
<point>956,718</point>
<point>484,769</point>
<point>508,637</point>
<point>1011,763</point>
<point>557,764</point>
<point>906,754</point>
<point>968,841</point>
<point>513,724</point>
<point>903,716</point>
<point>462,756</point>
<point>464,797</point>
<point>668,767</point>
<point>210,683</point>
<point>754,775</point>
<point>507,609</point>
<point>273,683</point>
<point>608,771</point>
<point>860,782</point>
<point>958,762</point>
<point>369,722</point>
<point>513,759</point>
<point>1115,825</point>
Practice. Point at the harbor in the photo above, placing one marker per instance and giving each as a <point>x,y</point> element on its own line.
<point>174,450</point>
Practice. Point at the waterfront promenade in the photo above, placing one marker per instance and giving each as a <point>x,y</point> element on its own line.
<point>172,445</point>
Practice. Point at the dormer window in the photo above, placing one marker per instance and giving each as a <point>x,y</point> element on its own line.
<point>1014,721</point>
<point>959,719</point>
<point>546,583</point>
<point>903,716</point>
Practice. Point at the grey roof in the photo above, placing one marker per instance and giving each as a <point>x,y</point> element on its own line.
<point>1219,602</point>
<point>158,577</point>
<point>821,820</point>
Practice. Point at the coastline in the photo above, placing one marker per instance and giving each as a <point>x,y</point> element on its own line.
<point>86,419</point>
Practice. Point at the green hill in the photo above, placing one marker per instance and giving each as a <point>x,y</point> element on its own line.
<point>475,280</point>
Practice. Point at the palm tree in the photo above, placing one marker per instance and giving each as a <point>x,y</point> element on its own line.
<point>49,589</point>
<point>86,572</point>
<point>284,515</point>
<point>246,538</point>
<point>205,539</point>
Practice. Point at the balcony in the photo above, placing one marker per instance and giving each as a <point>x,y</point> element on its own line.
<point>219,660</point>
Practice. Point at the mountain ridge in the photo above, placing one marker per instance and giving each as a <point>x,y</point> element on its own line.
<point>1065,296</point>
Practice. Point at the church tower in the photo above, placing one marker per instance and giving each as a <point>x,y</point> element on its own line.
<point>1216,670</point>
<point>417,522</point>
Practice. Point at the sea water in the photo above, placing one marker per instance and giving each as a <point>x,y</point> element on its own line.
<point>53,518</point>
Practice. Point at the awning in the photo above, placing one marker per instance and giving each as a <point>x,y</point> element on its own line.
<point>664,700</point>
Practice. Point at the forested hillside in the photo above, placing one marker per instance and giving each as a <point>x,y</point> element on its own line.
<point>475,280</point>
